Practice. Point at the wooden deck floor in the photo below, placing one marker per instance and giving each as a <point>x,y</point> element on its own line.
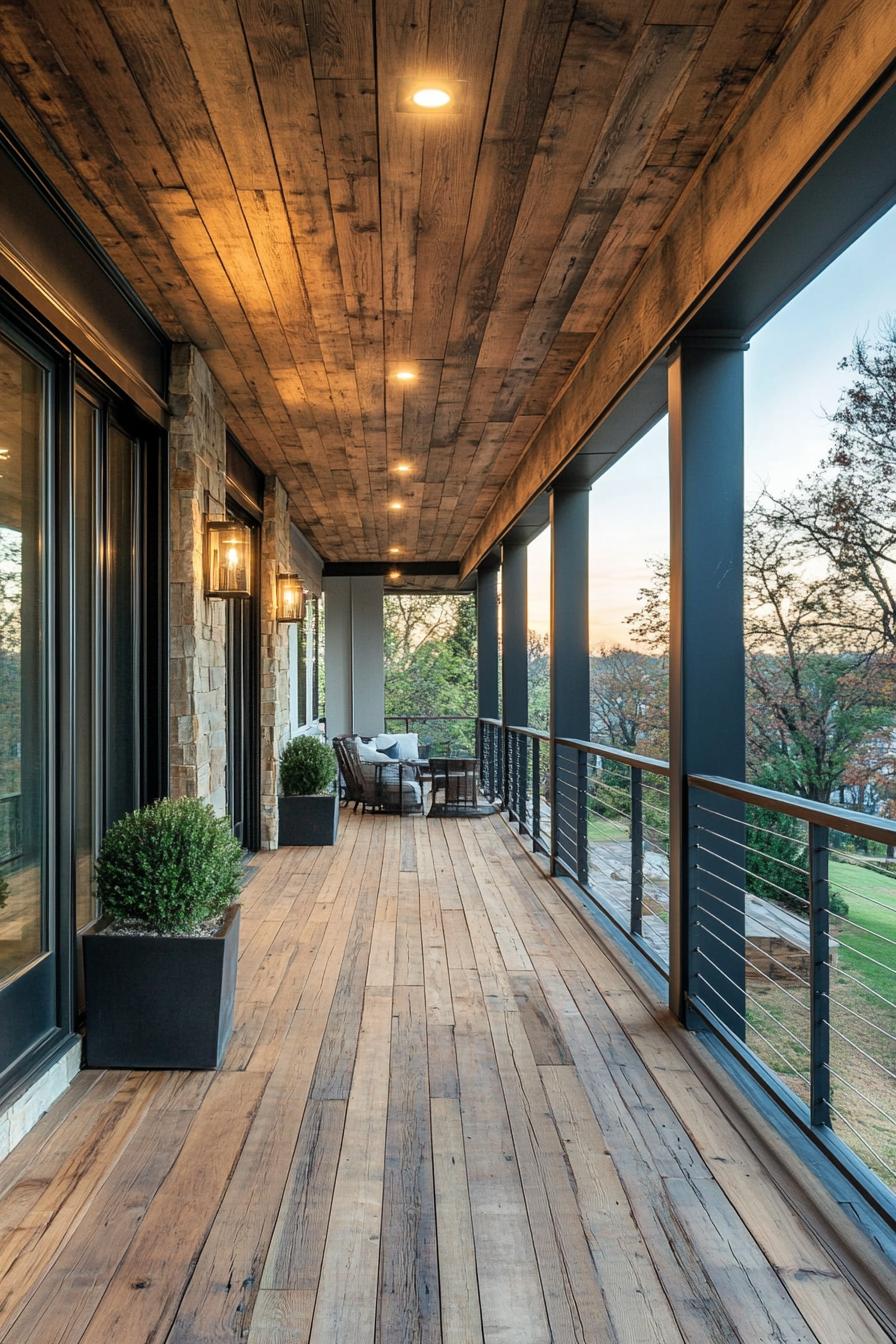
<point>445,1116</point>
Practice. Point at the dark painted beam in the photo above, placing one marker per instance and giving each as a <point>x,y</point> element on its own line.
<point>343,569</point>
<point>570,689</point>
<point>514,635</point>
<point>487,660</point>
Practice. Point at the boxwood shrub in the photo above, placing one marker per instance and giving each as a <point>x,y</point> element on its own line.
<point>170,867</point>
<point>307,765</point>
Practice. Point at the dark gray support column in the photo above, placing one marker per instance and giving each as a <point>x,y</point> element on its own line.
<point>706,667</point>
<point>514,636</point>
<point>570,667</point>
<point>487,642</point>
<point>570,695</point>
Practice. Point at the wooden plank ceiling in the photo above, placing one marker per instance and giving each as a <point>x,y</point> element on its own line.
<point>252,169</point>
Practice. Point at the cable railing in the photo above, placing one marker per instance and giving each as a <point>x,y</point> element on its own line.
<point>788,944</point>
<point>527,794</point>
<point>612,838</point>
<point>792,949</point>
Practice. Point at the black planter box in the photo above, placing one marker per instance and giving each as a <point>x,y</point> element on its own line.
<point>308,818</point>
<point>160,1003</point>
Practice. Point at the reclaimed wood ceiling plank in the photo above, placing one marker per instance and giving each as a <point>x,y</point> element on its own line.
<point>254,170</point>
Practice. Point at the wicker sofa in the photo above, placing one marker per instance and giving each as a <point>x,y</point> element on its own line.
<point>392,786</point>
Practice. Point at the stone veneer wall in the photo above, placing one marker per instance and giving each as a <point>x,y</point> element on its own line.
<point>24,1113</point>
<point>276,556</point>
<point>198,455</point>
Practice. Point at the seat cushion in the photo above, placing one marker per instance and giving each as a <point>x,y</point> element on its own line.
<point>388,784</point>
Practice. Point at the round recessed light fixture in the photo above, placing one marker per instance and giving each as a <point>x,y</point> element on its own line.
<point>431,99</point>
<point>395,550</point>
<point>405,375</point>
<point>403,468</point>
<point>395,505</point>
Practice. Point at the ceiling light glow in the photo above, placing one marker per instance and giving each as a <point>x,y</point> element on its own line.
<point>405,375</point>
<point>431,99</point>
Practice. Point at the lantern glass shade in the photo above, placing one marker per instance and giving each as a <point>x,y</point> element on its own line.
<point>227,553</point>
<point>290,598</point>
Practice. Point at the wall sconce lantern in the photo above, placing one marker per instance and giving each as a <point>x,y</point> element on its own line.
<point>227,551</point>
<point>290,598</point>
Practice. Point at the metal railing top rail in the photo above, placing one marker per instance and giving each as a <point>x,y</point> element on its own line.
<point>495,723</point>
<point>524,732</point>
<point>650,763</point>
<point>818,814</point>
<point>438,718</point>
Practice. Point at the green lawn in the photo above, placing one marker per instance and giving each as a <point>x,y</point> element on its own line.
<point>605,828</point>
<point>856,885</point>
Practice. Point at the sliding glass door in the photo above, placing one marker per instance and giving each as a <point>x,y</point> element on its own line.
<point>82,657</point>
<point>27,923</point>
<point>108,545</point>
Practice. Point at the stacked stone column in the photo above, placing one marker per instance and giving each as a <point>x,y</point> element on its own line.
<point>198,457</point>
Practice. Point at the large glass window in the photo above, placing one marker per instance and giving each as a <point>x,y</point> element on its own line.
<point>23,923</point>
<point>87,811</point>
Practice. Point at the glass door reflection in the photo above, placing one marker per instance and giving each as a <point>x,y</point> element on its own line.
<point>24,932</point>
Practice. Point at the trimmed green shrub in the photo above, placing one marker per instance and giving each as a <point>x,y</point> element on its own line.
<point>169,867</point>
<point>307,765</point>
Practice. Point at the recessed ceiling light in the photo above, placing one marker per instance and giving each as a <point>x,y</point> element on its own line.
<point>395,505</point>
<point>405,375</point>
<point>403,468</point>
<point>431,98</point>
<point>395,550</point>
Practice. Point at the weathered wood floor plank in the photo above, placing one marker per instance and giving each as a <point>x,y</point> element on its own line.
<point>446,1117</point>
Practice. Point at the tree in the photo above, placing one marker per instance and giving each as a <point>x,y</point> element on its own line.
<point>629,699</point>
<point>845,511</point>
<point>430,661</point>
<point>539,675</point>
<point>813,696</point>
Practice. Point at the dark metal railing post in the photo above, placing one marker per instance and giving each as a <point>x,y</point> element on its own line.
<point>637,829</point>
<point>536,792</point>
<point>505,767</point>
<point>582,817</point>
<point>819,977</point>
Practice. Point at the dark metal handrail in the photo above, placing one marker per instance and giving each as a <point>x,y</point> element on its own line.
<point>816,814</point>
<point>524,732</point>
<point>650,763</point>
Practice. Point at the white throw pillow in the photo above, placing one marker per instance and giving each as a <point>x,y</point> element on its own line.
<point>408,746</point>
<point>384,741</point>
<point>369,754</point>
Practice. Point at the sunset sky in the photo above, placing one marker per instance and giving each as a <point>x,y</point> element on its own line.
<point>791,380</point>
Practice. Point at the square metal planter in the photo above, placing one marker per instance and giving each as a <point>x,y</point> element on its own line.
<point>308,818</point>
<point>160,1002</point>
